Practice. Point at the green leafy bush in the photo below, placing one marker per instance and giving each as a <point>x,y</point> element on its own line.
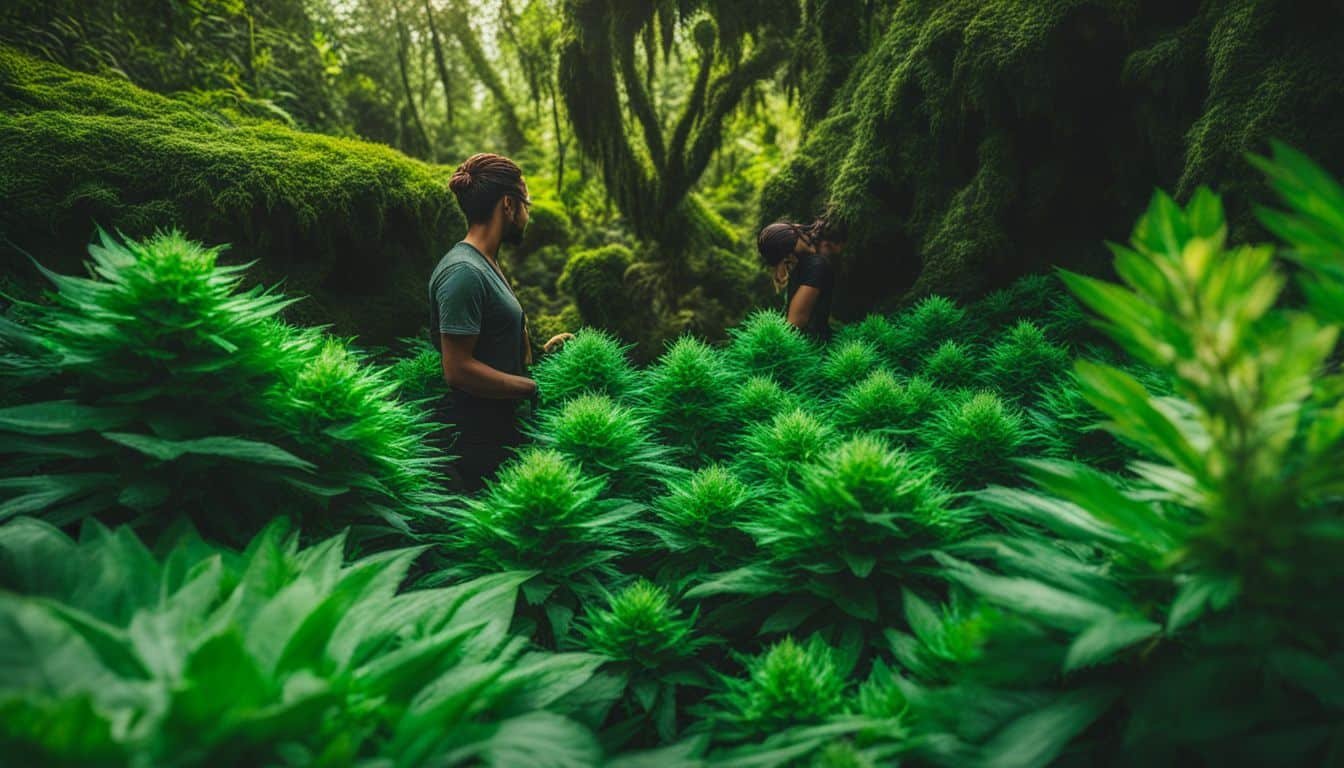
<point>687,395</point>
<point>1186,604</point>
<point>852,519</point>
<point>653,646</point>
<point>952,365</point>
<point>926,325</point>
<point>772,451</point>
<point>886,406</point>
<point>278,655</point>
<point>879,331</point>
<point>593,361</point>
<point>1023,359</point>
<point>790,684</point>
<point>698,520</point>
<point>973,439</point>
<point>542,514</point>
<point>610,441</point>
<point>759,398</point>
<point>158,388</point>
<point>418,373</point>
<point>847,362</point>
<point>766,345</point>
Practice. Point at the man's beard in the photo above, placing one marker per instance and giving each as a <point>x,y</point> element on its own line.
<point>513,234</point>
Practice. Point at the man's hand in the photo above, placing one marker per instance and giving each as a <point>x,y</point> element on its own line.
<point>556,341</point>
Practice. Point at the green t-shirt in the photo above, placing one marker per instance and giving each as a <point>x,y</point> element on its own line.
<point>468,297</point>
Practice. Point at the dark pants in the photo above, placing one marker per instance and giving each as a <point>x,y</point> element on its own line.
<point>486,433</point>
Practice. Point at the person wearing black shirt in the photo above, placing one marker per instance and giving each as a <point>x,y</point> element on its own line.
<point>800,264</point>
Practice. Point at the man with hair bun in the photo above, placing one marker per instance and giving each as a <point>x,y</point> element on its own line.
<point>477,323</point>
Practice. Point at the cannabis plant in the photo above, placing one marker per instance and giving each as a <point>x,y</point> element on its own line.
<point>862,514</point>
<point>847,362</point>
<point>882,405</point>
<point>652,645</point>
<point>156,387</point>
<point>1027,298</point>
<point>343,415</point>
<point>879,331</point>
<point>609,441</point>
<point>594,361</point>
<point>1022,360</point>
<point>418,373</point>
<point>974,439</point>
<point>770,452</point>
<point>687,395</point>
<point>541,514</point>
<point>759,398</point>
<point>697,521</point>
<point>1070,427</point>
<point>766,345</point>
<point>790,684</point>
<point>926,325</point>
<point>953,365</point>
<point>1190,602</point>
<point>275,656</point>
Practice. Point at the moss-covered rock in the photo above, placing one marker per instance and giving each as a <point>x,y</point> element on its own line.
<point>356,226</point>
<point>595,279</point>
<point>977,140</point>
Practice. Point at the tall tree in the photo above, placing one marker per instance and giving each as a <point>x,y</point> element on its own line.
<point>738,43</point>
<point>459,25</point>
<point>403,64</point>
<point>440,64</point>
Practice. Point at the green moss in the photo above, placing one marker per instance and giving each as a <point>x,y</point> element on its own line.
<point>977,140</point>
<point>355,225</point>
<point>547,224</point>
<point>595,279</point>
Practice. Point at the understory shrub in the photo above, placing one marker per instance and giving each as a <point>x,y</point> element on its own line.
<point>593,361</point>
<point>277,655</point>
<point>158,388</point>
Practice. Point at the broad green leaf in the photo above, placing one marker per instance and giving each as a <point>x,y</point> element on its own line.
<point>1107,637</point>
<point>40,493</point>
<point>236,448</point>
<point>1037,738</point>
<point>41,654</point>
<point>542,740</point>
<point>1197,594</point>
<point>1050,605</point>
<point>61,417</point>
<point>748,580</point>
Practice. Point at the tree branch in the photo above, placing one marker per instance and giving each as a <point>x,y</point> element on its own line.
<point>466,37</point>
<point>640,103</point>
<point>727,92</point>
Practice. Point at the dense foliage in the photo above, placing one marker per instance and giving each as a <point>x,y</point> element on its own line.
<point>1090,515</point>
<point>971,141</point>
<point>845,558</point>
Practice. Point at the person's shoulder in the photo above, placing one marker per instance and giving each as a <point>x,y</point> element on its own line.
<point>814,266</point>
<point>459,259</point>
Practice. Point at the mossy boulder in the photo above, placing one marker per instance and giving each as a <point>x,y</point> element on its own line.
<point>974,141</point>
<point>595,279</point>
<point>548,225</point>
<point>356,226</point>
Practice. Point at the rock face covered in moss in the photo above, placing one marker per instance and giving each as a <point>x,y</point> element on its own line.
<point>356,226</point>
<point>973,140</point>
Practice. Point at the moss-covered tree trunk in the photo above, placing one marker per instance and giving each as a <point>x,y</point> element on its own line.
<point>651,179</point>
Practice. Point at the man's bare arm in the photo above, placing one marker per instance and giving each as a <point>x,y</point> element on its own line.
<point>463,371</point>
<point>800,308</point>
